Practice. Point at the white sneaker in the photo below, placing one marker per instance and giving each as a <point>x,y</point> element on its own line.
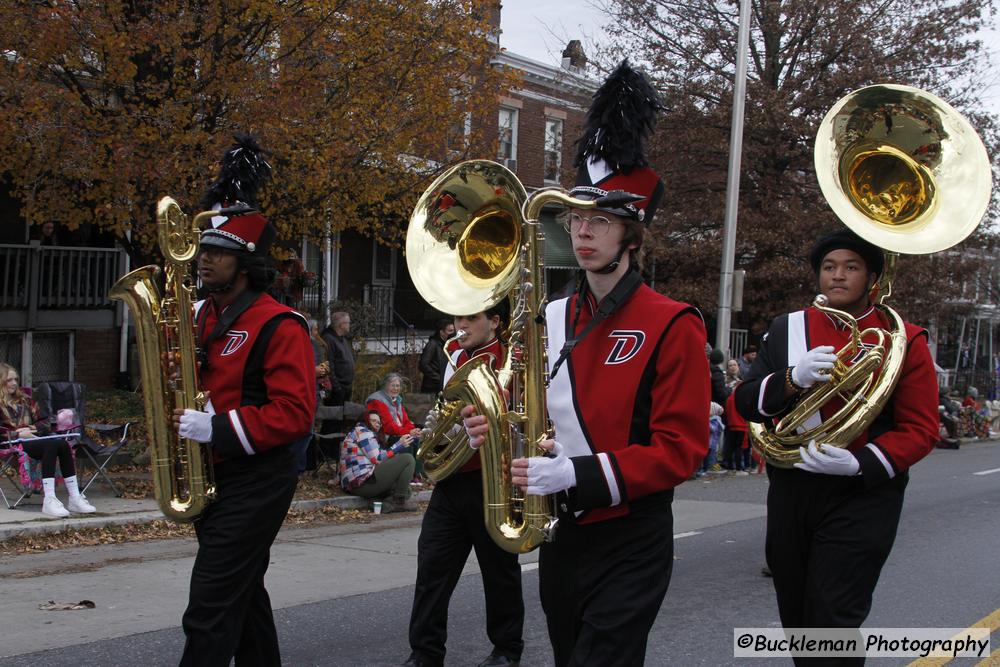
<point>80,505</point>
<point>51,507</point>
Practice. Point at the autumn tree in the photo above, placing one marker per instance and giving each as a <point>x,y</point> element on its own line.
<point>107,106</point>
<point>803,57</point>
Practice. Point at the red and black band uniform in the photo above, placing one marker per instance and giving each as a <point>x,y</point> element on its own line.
<point>630,407</point>
<point>828,536</point>
<point>452,526</point>
<point>261,379</point>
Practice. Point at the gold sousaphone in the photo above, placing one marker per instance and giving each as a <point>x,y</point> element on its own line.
<point>906,172</point>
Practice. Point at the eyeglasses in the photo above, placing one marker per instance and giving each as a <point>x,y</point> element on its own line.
<point>598,224</point>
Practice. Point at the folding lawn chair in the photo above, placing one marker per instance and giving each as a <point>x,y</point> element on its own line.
<point>54,396</point>
<point>10,463</point>
<point>328,444</point>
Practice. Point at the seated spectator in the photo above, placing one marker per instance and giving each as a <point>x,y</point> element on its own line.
<point>949,410</point>
<point>20,419</point>
<point>388,402</point>
<point>370,471</point>
<point>974,422</point>
<point>971,398</point>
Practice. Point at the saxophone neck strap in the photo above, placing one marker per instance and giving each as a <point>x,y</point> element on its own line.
<point>610,304</point>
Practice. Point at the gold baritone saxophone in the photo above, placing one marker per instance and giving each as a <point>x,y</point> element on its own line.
<point>164,329</point>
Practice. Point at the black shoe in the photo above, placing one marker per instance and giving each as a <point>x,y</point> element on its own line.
<point>416,661</point>
<point>498,660</point>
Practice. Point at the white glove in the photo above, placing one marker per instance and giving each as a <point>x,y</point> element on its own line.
<point>196,425</point>
<point>548,475</point>
<point>828,461</point>
<point>806,373</point>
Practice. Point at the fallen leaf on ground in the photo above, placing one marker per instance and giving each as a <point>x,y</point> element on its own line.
<point>66,606</point>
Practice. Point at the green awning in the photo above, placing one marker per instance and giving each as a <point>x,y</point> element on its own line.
<point>558,246</point>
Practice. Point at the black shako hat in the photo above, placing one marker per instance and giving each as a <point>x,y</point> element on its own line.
<point>611,153</point>
<point>845,238</point>
<point>239,226</point>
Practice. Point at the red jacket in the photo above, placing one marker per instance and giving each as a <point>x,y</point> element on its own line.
<point>390,425</point>
<point>631,404</point>
<point>908,427</point>
<point>734,420</point>
<point>261,377</point>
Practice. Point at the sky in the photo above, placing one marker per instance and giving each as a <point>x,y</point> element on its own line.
<point>540,29</point>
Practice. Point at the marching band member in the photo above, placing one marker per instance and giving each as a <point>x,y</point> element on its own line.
<point>831,521</point>
<point>453,525</point>
<point>257,367</point>
<point>628,398</point>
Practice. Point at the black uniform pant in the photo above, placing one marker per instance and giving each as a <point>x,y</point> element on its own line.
<point>229,611</point>
<point>827,540</point>
<point>602,584</point>
<point>452,526</point>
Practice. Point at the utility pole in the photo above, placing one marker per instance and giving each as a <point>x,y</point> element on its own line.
<point>733,182</point>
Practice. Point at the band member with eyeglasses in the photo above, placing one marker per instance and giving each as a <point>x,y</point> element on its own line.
<point>831,521</point>
<point>628,397</point>
<point>453,525</point>
<point>257,367</point>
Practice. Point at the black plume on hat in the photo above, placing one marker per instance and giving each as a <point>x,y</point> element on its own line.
<point>244,170</point>
<point>619,121</point>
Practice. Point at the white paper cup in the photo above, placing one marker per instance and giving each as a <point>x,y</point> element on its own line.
<point>377,507</point>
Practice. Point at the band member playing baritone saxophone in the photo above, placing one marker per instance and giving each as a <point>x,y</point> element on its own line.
<point>831,521</point>
<point>257,366</point>
<point>453,525</point>
<point>629,400</point>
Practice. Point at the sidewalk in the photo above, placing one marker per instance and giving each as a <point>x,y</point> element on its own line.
<point>27,518</point>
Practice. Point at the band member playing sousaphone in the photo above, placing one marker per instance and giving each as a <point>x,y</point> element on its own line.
<point>453,525</point>
<point>832,519</point>
<point>257,367</point>
<point>628,398</point>
<point>843,395</point>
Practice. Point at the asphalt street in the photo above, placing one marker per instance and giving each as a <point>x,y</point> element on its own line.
<point>342,594</point>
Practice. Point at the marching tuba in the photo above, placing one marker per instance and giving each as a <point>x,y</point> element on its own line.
<point>473,240</point>
<point>906,172</point>
<point>183,479</point>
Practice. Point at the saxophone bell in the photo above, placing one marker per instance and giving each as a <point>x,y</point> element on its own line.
<point>183,478</point>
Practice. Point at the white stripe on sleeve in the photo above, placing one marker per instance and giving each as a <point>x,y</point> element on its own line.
<point>234,419</point>
<point>881,457</point>
<point>609,477</point>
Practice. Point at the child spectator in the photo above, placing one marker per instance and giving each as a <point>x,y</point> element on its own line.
<point>715,430</point>
<point>736,436</point>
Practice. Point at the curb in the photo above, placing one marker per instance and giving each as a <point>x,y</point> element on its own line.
<point>46,526</point>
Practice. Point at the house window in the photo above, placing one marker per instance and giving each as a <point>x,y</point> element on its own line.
<point>553,149</point>
<point>508,135</point>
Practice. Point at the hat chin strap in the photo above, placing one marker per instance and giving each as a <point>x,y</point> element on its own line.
<point>613,264</point>
<point>219,290</point>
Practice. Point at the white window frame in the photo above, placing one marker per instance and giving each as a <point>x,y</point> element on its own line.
<point>513,133</point>
<point>556,149</point>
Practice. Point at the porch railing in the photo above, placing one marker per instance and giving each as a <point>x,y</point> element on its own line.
<point>55,277</point>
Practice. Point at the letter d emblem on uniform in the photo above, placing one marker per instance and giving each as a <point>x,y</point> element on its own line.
<point>627,345</point>
<point>235,342</point>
